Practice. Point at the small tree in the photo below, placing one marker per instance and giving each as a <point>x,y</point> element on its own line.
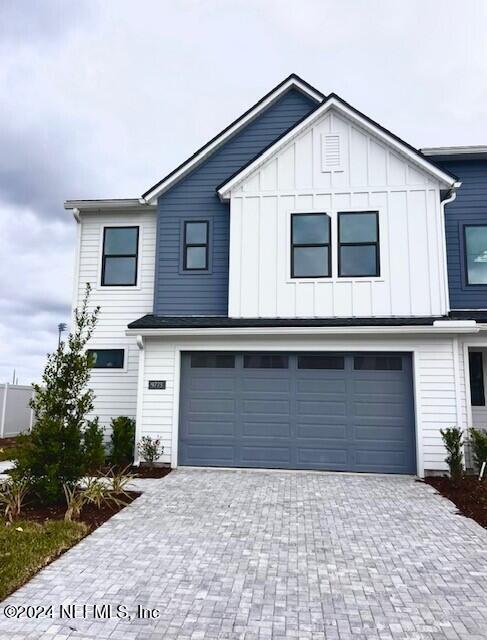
<point>452,439</point>
<point>54,453</point>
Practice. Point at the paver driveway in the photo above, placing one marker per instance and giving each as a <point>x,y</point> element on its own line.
<point>248,554</point>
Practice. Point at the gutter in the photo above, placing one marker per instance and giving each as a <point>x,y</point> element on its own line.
<point>440,327</point>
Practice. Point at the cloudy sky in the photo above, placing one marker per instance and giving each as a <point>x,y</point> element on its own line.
<point>101,98</point>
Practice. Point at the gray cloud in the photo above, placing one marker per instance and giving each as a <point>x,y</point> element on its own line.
<point>100,99</point>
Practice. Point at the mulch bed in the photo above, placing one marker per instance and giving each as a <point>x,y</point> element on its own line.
<point>143,471</point>
<point>7,443</point>
<point>149,472</point>
<point>468,495</point>
<point>90,514</point>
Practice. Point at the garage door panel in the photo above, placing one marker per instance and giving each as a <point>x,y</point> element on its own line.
<point>212,428</point>
<point>205,384</point>
<point>265,455</point>
<point>309,418</point>
<point>265,384</point>
<point>320,408</point>
<point>379,410</point>
<point>388,433</point>
<point>265,429</point>
<point>321,431</point>
<point>334,458</point>
<point>211,406</point>
<point>329,387</point>
<point>210,454</point>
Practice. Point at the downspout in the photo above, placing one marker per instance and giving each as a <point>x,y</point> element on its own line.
<point>140,397</point>
<point>452,194</point>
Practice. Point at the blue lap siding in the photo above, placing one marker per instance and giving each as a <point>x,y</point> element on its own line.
<point>194,197</point>
<point>469,207</point>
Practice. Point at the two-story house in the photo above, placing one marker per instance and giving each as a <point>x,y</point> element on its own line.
<point>306,291</point>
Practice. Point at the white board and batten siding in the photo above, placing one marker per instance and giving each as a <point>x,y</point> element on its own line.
<point>435,389</point>
<point>312,174</point>
<point>116,389</point>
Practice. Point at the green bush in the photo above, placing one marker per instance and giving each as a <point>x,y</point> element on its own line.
<point>94,450</point>
<point>452,439</point>
<point>122,441</point>
<point>54,453</point>
<point>150,449</point>
<point>478,440</point>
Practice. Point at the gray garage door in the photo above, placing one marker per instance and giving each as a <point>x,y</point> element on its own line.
<point>344,412</point>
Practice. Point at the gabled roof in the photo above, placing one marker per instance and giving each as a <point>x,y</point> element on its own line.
<point>291,82</point>
<point>334,101</point>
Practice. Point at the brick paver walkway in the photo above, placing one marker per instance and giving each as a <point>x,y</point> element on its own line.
<point>248,554</point>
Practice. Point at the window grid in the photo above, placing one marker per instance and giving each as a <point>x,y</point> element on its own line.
<point>189,245</point>
<point>359,244</point>
<point>310,246</point>
<point>106,256</point>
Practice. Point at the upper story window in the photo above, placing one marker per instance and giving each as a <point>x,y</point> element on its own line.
<point>476,253</point>
<point>120,256</point>
<point>195,245</point>
<point>358,244</point>
<point>310,245</point>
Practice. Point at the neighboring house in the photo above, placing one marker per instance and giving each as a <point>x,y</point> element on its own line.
<point>295,295</point>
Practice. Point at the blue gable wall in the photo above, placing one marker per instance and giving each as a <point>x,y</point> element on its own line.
<point>179,293</point>
<point>470,206</point>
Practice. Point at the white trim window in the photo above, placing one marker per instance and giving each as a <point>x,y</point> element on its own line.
<point>107,358</point>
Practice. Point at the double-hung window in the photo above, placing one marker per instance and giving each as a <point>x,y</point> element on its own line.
<point>310,245</point>
<point>120,255</point>
<point>476,253</point>
<point>358,244</point>
<point>195,245</point>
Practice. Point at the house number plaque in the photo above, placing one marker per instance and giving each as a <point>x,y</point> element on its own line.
<point>157,384</point>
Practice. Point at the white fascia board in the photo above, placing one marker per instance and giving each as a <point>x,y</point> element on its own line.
<point>303,331</point>
<point>363,123</point>
<point>454,151</point>
<point>187,167</point>
<point>105,206</point>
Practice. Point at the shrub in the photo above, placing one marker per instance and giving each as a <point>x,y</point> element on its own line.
<point>75,501</point>
<point>478,440</point>
<point>150,449</point>
<point>94,450</point>
<point>119,480</point>
<point>122,441</point>
<point>54,453</point>
<point>12,496</point>
<point>452,439</point>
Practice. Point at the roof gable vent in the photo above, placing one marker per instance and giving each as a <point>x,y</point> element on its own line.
<point>331,152</point>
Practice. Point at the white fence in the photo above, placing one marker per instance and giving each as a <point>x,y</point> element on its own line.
<point>15,413</point>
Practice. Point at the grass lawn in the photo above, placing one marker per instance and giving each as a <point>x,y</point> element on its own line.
<point>23,553</point>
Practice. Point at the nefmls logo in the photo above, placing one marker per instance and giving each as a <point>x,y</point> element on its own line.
<point>97,611</point>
